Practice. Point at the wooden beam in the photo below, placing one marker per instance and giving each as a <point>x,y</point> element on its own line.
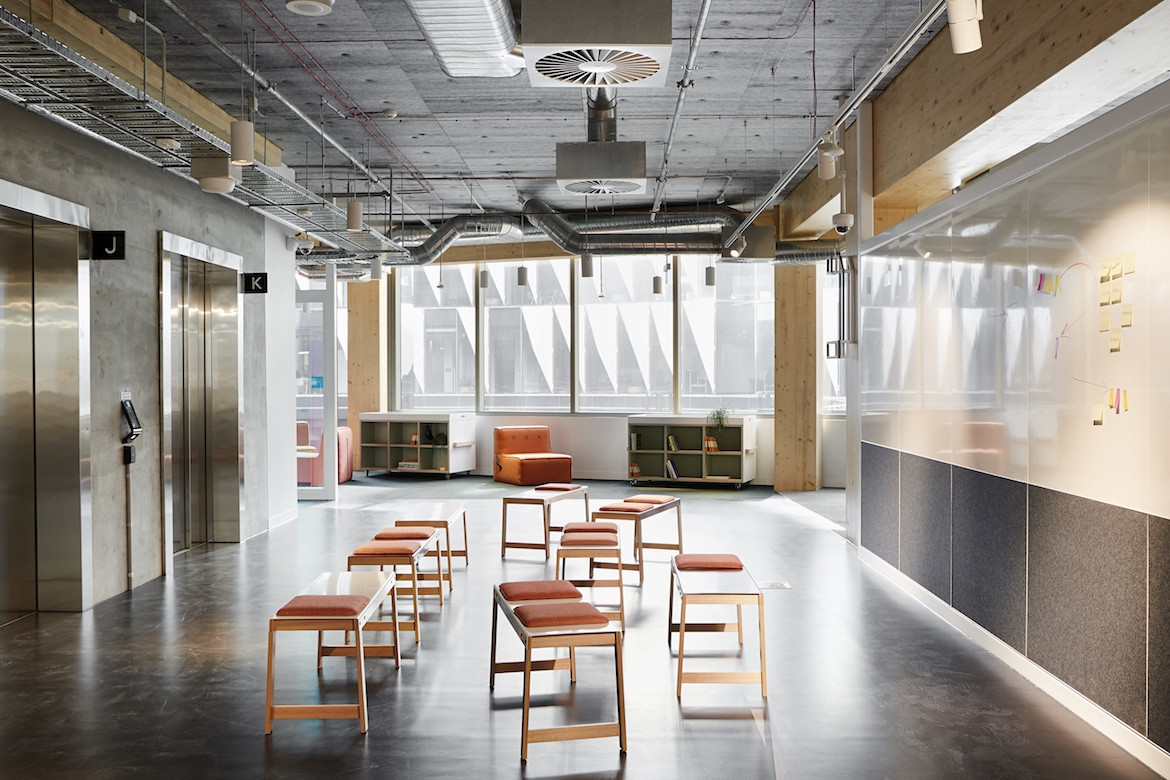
<point>532,250</point>
<point>369,334</point>
<point>63,22</point>
<point>797,458</point>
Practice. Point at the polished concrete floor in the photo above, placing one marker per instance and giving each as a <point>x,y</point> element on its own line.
<point>863,682</point>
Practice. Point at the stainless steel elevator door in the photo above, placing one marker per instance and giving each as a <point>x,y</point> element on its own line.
<point>18,505</point>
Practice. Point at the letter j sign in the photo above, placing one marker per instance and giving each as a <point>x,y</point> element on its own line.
<point>255,283</point>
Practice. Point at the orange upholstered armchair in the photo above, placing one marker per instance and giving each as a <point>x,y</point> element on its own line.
<point>522,456</point>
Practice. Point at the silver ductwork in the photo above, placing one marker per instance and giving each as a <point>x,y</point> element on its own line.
<point>470,38</point>
<point>602,114</point>
<point>796,253</point>
<point>575,242</point>
<point>477,226</point>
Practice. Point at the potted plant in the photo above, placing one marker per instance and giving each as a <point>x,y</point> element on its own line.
<point>716,418</point>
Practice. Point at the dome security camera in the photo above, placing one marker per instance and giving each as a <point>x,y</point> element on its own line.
<point>842,222</point>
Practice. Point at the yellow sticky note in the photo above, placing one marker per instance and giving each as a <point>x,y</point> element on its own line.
<point>1111,398</point>
<point>1103,326</point>
<point>1125,400</point>
<point>1127,315</point>
<point>1115,340</point>
<point>1098,413</point>
<point>1130,262</point>
<point>1106,266</point>
<point>1115,267</point>
<point>1055,284</point>
<point>1115,292</point>
<point>1106,294</point>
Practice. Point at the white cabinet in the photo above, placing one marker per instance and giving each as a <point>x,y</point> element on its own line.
<point>689,449</point>
<point>417,442</point>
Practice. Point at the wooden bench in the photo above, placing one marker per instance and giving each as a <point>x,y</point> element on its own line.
<point>401,552</point>
<point>593,541</point>
<point>713,579</point>
<point>335,601</point>
<point>543,496</point>
<point>636,509</point>
<point>558,622</point>
<point>443,515</point>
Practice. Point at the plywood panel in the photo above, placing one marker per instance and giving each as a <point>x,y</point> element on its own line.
<point>797,463</point>
<point>368,335</point>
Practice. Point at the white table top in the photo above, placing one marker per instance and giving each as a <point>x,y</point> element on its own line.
<point>432,510</point>
<point>535,496</point>
<point>709,581</point>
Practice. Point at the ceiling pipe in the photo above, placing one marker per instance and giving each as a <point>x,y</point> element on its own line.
<point>893,56</point>
<point>469,38</point>
<point>602,113</point>
<point>797,253</point>
<point>575,242</point>
<point>683,85</point>
<point>267,86</point>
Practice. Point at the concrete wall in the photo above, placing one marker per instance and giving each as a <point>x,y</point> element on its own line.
<point>124,192</point>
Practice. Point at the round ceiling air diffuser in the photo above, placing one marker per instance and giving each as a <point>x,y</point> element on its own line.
<point>309,7</point>
<point>602,186</point>
<point>596,67</point>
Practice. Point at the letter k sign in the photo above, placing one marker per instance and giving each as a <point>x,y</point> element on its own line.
<point>255,283</point>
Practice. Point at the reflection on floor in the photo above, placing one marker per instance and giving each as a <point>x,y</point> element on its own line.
<point>863,681</point>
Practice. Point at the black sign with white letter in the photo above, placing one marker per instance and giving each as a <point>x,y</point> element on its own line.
<point>108,244</point>
<point>255,283</point>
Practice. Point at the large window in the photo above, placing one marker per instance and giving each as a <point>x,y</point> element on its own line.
<point>526,337</point>
<point>727,334</point>
<point>625,347</point>
<point>436,337</point>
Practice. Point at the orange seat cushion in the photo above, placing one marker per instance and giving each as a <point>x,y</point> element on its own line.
<point>597,526</point>
<point>722,561</point>
<point>324,606</point>
<point>649,498</point>
<point>537,590</point>
<point>406,532</point>
<point>522,455</point>
<point>388,547</point>
<point>558,486</point>
<point>626,506</point>
<point>586,539</point>
<point>577,614</point>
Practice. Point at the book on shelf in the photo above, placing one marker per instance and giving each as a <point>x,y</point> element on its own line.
<point>414,438</point>
<point>633,441</point>
<point>671,444</point>
<point>671,471</point>
<point>709,444</point>
<point>408,464</point>
<point>635,469</point>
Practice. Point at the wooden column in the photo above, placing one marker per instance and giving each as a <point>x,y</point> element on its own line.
<point>797,459</point>
<point>368,339</point>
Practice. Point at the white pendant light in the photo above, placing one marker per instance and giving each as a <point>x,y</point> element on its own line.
<point>522,276</point>
<point>709,274</point>
<point>586,266</point>
<point>376,269</point>
<point>243,143</point>
<point>484,279</point>
<point>309,7</point>
<point>353,216</point>
<point>656,284</point>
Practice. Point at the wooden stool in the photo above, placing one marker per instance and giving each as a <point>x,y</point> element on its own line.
<point>417,530</point>
<point>636,509</point>
<point>337,601</point>
<point>543,496</point>
<point>532,592</point>
<point>395,553</point>
<point>714,579</point>
<point>593,545</point>
<point>569,624</point>
<point>443,515</point>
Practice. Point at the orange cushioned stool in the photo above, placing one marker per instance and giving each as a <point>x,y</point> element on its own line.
<point>592,544</point>
<point>562,622</point>
<point>420,532</point>
<point>532,592</point>
<point>395,553</point>
<point>335,601</point>
<point>716,578</point>
<point>636,509</point>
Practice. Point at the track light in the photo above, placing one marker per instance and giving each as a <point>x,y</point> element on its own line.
<point>353,216</point>
<point>586,266</point>
<point>736,249</point>
<point>709,274</point>
<point>243,143</point>
<point>827,153</point>
<point>963,18</point>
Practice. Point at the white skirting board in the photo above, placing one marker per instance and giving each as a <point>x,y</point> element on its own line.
<point>1129,740</point>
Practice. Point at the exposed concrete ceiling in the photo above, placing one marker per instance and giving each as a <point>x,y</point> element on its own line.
<point>458,146</point>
